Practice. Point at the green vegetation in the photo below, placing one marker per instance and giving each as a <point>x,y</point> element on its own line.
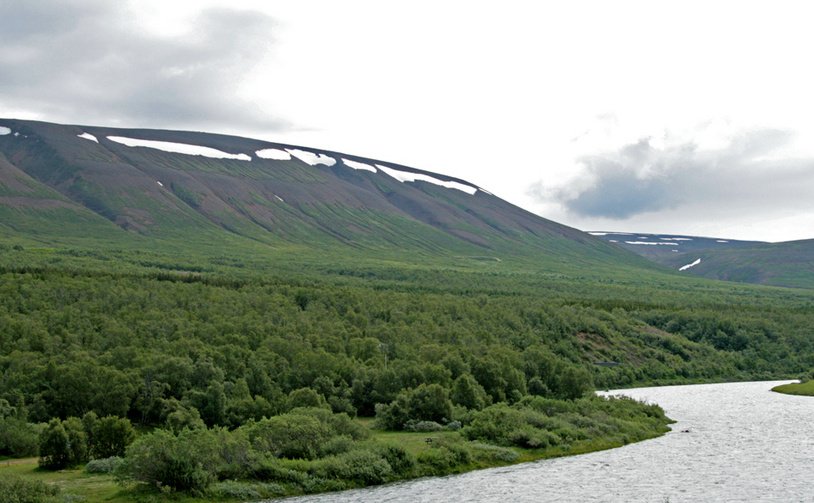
<point>804,388</point>
<point>244,379</point>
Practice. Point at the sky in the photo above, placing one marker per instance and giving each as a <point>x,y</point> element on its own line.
<point>678,117</point>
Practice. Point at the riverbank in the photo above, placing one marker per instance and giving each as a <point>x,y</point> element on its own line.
<point>803,389</point>
<point>503,436</point>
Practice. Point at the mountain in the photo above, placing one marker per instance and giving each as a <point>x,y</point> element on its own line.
<point>88,184</point>
<point>781,264</point>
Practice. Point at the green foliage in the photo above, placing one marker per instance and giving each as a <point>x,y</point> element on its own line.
<point>305,397</point>
<point>466,392</point>
<point>18,490</point>
<point>427,402</point>
<point>804,388</point>
<point>63,444</point>
<point>187,462</point>
<point>292,435</point>
<point>104,465</point>
<point>541,423</point>
<point>111,436</point>
<point>18,438</point>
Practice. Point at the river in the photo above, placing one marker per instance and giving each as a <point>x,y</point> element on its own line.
<point>732,442</point>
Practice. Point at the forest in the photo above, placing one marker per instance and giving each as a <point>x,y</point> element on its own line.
<point>221,380</point>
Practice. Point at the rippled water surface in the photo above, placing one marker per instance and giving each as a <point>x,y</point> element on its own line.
<point>745,443</point>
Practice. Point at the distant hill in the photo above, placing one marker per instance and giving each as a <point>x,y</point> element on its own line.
<point>781,264</point>
<point>87,184</point>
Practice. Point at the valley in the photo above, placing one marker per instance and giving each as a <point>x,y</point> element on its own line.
<point>211,290</point>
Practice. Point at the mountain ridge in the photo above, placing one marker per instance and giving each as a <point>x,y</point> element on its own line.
<point>789,263</point>
<point>314,197</point>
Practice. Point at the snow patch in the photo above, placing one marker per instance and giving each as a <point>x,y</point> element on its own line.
<point>693,264</point>
<point>613,241</point>
<point>676,239</point>
<point>178,148</point>
<point>159,183</point>
<point>653,243</point>
<point>279,198</point>
<point>273,153</point>
<point>16,133</point>
<point>4,131</point>
<point>406,176</point>
<point>88,136</point>
<point>311,158</point>
<point>598,233</point>
<point>721,241</point>
<point>358,165</point>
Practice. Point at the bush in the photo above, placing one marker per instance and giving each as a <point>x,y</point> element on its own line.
<point>443,457</point>
<point>18,438</point>
<point>104,465</point>
<point>360,466</point>
<point>278,471</point>
<point>245,491</point>
<point>427,402</point>
<point>15,489</point>
<point>63,444</point>
<point>111,436</point>
<point>402,462</point>
<point>489,452</point>
<point>188,462</point>
<point>291,435</point>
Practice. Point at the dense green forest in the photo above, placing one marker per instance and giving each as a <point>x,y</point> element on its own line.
<point>257,370</point>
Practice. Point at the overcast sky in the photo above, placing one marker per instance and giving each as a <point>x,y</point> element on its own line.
<point>674,117</point>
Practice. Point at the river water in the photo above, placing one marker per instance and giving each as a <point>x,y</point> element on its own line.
<point>744,443</point>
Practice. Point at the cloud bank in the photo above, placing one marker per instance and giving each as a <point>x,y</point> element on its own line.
<point>748,175</point>
<point>88,59</point>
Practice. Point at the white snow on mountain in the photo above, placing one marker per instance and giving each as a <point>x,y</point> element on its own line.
<point>406,176</point>
<point>311,158</point>
<point>88,136</point>
<point>692,264</point>
<point>273,153</point>
<point>4,131</point>
<point>358,165</point>
<point>652,243</point>
<point>178,148</point>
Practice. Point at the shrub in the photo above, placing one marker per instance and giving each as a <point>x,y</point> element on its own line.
<point>111,436</point>
<point>277,471</point>
<point>290,435</point>
<point>18,490</point>
<point>188,462</point>
<point>427,402</point>
<point>494,453</point>
<point>402,462</point>
<point>18,438</point>
<point>244,491</point>
<point>468,393</point>
<point>361,466</point>
<point>494,424</point>
<point>63,444</point>
<point>104,465</point>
